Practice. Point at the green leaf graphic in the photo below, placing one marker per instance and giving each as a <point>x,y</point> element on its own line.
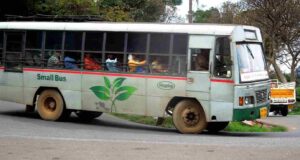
<point>101,92</point>
<point>125,92</point>
<point>107,82</point>
<point>118,82</point>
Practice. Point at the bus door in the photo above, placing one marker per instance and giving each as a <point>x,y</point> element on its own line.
<point>222,83</point>
<point>198,76</point>
<point>12,79</point>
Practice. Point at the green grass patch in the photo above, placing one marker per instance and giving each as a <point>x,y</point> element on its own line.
<point>232,127</point>
<point>241,127</point>
<point>296,109</point>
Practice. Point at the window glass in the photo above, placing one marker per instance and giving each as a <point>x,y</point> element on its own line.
<point>115,41</point>
<point>93,41</point>
<point>73,41</point>
<point>33,58</point>
<point>223,63</point>
<point>53,40</point>
<point>180,44</point>
<point>159,43</point>
<point>137,42</point>
<point>199,59</point>
<point>179,65</point>
<point>34,39</point>
<point>14,42</point>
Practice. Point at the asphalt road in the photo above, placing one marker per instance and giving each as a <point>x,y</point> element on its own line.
<point>25,136</point>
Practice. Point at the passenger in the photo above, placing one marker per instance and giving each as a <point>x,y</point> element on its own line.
<point>90,63</point>
<point>157,67</point>
<point>202,61</point>
<point>111,63</point>
<point>135,65</point>
<point>54,60</point>
<point>70,63</point>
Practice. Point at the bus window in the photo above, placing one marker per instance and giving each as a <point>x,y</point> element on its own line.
<point>180,43</point>
<point>159,64</point>
<point>160,43</point>
<point>53,40</point>
<point>93,41</point>
<point>114,62</point>
<point>137,42</point>
<point>199,59</point>
<point>115,41</point>
<point>14,49</point>
<point>33,53</point>
<point>73,41</point>
<point>223,63</point>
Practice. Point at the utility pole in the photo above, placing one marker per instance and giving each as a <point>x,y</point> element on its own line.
<point>190,13</point>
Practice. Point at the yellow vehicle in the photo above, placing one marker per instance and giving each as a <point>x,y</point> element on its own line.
<point>283,97</point>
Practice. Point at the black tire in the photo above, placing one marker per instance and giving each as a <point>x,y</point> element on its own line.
<point>214,127</point>
<point>189,117</point>
<point>51,106</point>
<point>284,111</point>
<point>87,115</point>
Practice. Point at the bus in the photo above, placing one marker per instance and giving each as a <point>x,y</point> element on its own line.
<point>203,75</point>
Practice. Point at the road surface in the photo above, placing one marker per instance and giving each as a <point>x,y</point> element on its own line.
<point>26,136</point>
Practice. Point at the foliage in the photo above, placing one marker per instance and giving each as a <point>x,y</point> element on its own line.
<point>296,109</point>
<point>211,15</point>
<point>113,91</point>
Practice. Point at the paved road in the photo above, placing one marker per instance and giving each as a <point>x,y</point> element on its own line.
<point>25,136</point>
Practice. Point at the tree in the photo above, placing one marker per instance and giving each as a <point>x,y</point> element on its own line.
<point>279,22</point>
<point>211,15</point>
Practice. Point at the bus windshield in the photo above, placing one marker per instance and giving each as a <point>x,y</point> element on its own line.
<point>251,62</point>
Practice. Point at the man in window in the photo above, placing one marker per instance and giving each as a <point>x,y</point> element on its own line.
<point>202,60</point>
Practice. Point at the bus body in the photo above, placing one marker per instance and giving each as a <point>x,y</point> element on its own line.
<point>235,86</point>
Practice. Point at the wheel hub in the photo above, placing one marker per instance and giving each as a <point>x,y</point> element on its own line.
<point>190,117</point>
<point>50,104</point>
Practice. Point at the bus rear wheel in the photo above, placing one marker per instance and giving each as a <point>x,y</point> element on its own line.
<point>189,117</point>
<point>88,115</point>
<point>214,127</point>
<point>284,110</point>
<point>50,106</point>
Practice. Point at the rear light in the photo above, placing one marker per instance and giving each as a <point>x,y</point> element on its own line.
<point>291,100</point>
<point>241,101</point>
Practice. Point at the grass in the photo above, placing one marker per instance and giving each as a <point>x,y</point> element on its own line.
<point>296,109</point>
<point>232,127</point>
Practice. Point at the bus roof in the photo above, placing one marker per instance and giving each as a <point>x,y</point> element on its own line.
<point>209,29</point>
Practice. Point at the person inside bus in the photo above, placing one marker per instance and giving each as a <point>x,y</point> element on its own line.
<point>54,60</point>
<point>135,64</point>
<point>111,63</point>
<point>157,67</point>
<point>202,60</point>
<point>70,62</point>
<point>90,63</point>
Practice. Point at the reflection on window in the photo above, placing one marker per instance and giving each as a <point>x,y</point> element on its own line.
<point>222,61</point>
<point>53,40</point>
<point>73,41</point>
<point>199,59</point>
<point>159,64</point>
<point>93,41</point>
<point>137,42</point>
<point>160,43</point>
<point>115,41</point>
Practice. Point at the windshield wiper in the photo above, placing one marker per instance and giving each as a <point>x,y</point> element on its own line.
<point>249,51</point>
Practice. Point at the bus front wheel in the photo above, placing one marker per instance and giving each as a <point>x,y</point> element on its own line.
<point>50,106</point>
<point>189,117</point>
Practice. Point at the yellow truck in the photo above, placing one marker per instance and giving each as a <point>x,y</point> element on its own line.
<point>282,96</point>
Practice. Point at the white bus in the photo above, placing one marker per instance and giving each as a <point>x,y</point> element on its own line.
<point>203,75</point>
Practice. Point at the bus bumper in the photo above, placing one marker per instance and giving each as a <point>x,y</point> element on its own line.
<point>250,113</point>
